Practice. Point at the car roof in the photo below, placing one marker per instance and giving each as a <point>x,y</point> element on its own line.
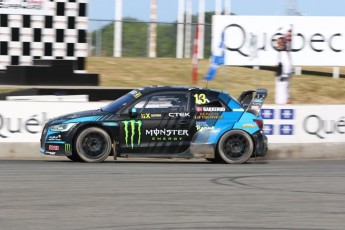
<point>175,88</point>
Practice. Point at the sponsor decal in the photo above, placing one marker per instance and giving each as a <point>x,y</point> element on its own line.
<point>238,110</point>
<point>68,148</point>
<point>167,134</point>
<point>150,115</point>
<point>208,115</point>
<point>132,128</point>
<point>199,109</point>
<point>54,138</point>
<point>249,126</point>
<point>179,115</point>
<point>315,125</point>
<point>202,125</point>
<point>137,95</point>
<point>213,109</point>
<point>145,115</point>
<point>200,99</point>
<point>53,147</point>
<point>156,115</point>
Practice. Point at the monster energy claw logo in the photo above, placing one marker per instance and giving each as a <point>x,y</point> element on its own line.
<point>67,148</point>
<point>131,124</point>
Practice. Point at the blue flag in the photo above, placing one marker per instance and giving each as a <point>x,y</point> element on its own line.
<point>216,61</point>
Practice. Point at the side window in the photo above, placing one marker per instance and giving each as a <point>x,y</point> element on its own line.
<point>165,103</point>
<point>204,100</point>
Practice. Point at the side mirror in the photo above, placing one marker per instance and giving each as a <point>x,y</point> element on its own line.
<point>133,113</point>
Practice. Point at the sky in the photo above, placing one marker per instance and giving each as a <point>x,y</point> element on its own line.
<point>167,9</point>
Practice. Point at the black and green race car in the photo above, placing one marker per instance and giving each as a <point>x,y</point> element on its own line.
<point>169,122</point>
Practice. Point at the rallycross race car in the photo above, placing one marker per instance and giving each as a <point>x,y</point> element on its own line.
<point>167,121</point>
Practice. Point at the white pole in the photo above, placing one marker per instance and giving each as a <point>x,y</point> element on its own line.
<point>201,22</point>
<point>153,30</point>
<point>188,38</point>
<point>218,7</point>
<point>336,72</point>
<point>180,28</point>
<point>118,29</point>
<point>99,41</point>
<point>227,7</point>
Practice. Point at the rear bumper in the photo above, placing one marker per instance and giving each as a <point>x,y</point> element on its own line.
<point>260,144</point>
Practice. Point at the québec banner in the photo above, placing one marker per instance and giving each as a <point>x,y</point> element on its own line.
<point>251,40</point>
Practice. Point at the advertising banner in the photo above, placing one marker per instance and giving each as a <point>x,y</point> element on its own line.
<point>24,121</point>
<point>251,40</point>
<point>25,7</point>
<point>304,124</point>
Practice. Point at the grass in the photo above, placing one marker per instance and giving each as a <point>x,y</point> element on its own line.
<point>138,72</point>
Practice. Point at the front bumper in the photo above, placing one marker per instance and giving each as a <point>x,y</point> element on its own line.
<point>57,149</point>
<point>56,143</point>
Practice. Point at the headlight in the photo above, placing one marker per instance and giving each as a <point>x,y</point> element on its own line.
<point>61,127</point>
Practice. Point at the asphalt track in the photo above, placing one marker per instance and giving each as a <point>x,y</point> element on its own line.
<point>169,194</point>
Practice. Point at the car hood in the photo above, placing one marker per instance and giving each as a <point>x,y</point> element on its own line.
<point>89,115</point>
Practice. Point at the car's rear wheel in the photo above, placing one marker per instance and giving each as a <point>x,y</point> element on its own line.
<point>93,145</point>
<point>235,147</point>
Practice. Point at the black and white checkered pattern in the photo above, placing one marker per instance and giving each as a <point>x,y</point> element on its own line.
<point>60,35</point>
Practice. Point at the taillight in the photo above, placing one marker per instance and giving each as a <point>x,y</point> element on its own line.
<point>260,123</point>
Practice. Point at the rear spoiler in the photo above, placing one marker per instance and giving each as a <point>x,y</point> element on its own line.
<point>252,100</point>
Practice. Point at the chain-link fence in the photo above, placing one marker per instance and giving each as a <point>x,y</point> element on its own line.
<point>135,38</point>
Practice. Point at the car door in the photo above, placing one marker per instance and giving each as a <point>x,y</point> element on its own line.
<point>161,126</point>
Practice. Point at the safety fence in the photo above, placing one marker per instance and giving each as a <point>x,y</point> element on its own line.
<point>135,38</point>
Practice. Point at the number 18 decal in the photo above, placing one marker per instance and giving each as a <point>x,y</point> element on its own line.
<point>200,99</point>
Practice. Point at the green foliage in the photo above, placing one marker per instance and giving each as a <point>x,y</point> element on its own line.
<point>135,37</point>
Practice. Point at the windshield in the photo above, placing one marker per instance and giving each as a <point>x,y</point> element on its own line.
<point>120,102</point>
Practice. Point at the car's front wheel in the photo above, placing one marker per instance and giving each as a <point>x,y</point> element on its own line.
<point>235,147</point>
<point>93,145</point>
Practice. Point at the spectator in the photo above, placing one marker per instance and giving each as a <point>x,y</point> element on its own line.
<point>284,69</point>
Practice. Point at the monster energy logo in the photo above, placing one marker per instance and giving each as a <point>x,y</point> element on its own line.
<point>130,129</point>
<point>67,148</point>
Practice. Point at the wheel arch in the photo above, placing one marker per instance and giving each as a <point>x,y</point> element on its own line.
<point>88,125</point>
<point>217,155</point>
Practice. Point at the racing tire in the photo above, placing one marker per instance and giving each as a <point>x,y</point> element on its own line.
<point>93,145</point>
<point>235,147</point>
